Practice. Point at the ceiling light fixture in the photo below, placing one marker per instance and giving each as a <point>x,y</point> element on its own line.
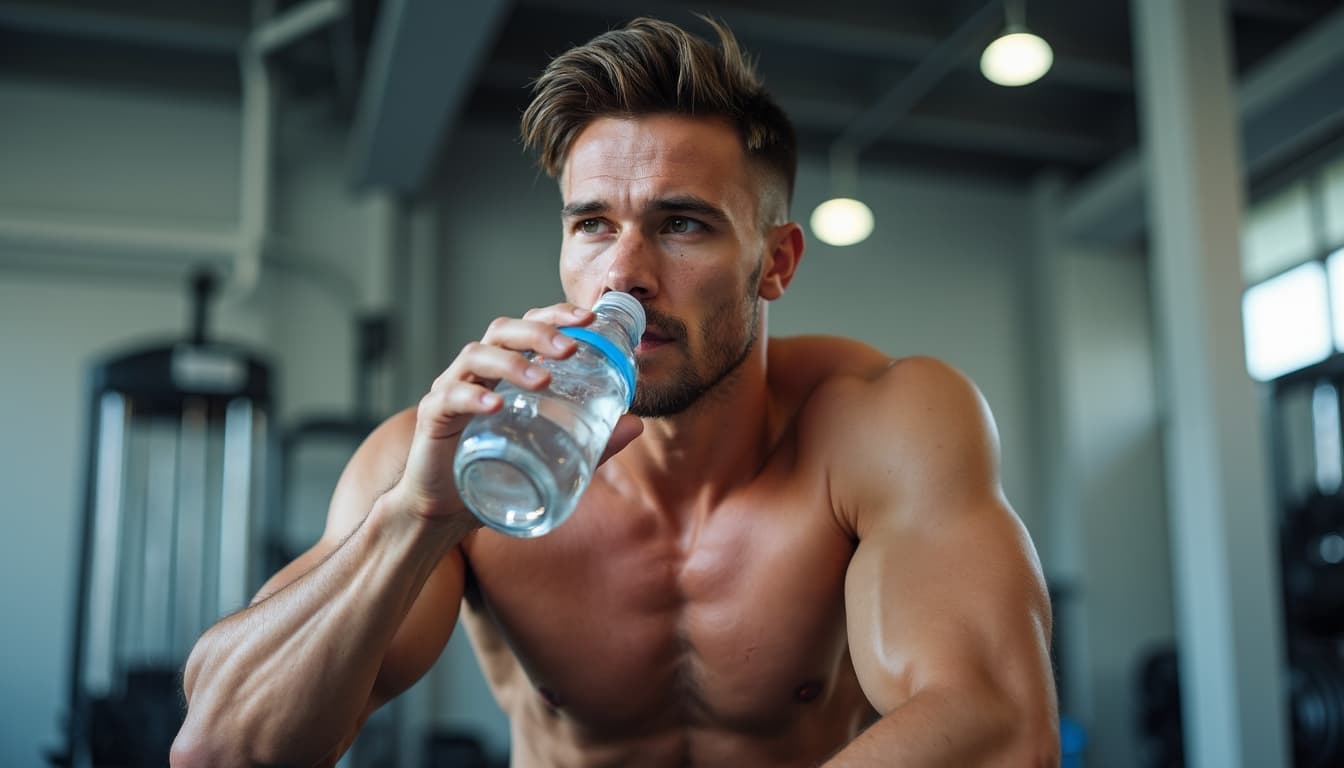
<point>842,220</point>
<point>1017,57</point>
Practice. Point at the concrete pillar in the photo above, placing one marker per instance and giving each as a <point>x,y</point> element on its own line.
<point>1062,543</point>
<point>1225,571</point>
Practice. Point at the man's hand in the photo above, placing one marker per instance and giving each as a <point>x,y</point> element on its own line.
<point>465,389</point>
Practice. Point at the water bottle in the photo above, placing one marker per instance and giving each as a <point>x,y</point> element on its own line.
<point>522,469</point>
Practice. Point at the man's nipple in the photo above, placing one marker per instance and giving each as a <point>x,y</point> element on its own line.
<point>808,691</point>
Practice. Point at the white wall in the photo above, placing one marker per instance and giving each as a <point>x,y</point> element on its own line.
<point>79,155</point>
<point>1122,606</point>
<point>945,273</point>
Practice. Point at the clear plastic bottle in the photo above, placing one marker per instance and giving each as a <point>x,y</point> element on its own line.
<point>522,469</point>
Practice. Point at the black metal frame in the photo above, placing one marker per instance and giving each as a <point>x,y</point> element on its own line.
<point>146,375</point>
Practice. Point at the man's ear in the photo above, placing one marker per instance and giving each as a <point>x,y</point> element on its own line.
<point>784,249</point>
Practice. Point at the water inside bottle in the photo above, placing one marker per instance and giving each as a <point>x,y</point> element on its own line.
<point>527,471</point>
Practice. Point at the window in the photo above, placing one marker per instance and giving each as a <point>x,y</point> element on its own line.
<point>1287,322</point>
<point>1277,234</point>
<point>1332,182</point>
<point>1293,313</point>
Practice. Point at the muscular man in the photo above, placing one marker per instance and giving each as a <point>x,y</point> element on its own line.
<point>798,551</point>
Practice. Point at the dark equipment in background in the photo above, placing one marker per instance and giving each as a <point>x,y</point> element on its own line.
<point>1303,417</point>
<point>176,447</point>
<point>1312,543</point>
<point>1161,740</point>
<point>1305,430</point>
<point>446,748</point>
<point>1316,701</point>
<point>313,453</point>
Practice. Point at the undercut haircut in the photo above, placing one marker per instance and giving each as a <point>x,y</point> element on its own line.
<point>651,67</point>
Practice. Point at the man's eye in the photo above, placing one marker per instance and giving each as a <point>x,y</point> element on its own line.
<point>680,225</point>
<point>591,226</point>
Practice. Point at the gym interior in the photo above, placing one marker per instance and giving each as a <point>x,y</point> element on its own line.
<point>235,236</point>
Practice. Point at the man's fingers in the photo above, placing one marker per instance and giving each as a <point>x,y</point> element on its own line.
<point>481,363</point>
<point>465,387</point>
<point>529,336</point>
<point>560,315</point>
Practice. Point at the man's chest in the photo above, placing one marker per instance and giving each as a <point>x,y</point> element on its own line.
<point>622,619</point>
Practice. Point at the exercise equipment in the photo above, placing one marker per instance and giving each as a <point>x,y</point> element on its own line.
<point>177,440</point>
<point>1316,705</point>
<point>1317,683</point>
<point>1312,544</point>
<point>1158,697</point>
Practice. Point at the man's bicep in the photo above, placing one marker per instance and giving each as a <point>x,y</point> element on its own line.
<point>956,606</point>
<point>944,589</point>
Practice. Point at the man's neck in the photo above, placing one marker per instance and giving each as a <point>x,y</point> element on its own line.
<point>689,462</point>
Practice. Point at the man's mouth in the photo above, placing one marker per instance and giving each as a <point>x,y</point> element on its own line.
<point>651,340</point>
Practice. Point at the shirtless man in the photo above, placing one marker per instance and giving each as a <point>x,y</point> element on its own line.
<point>797,551</point>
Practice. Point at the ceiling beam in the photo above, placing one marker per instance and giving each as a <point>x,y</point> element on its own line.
<point>1288,103</point>
<point>125,28</point>
<point>823,34</point>
<point>828,117</point>
<point>902,97</point>
<point>421,69</point>
<point>295,23</point>
<point>1285,11</point>
<point>831,116</point>
<point>1002,140</point>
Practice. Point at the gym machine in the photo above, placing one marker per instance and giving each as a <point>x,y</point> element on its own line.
<point>176,456</point>
<point>1304,428</point>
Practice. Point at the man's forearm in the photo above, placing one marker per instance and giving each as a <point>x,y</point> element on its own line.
<point>941,729</point>
<point>284,680</point>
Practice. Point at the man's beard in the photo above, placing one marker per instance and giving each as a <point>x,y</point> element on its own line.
<point>728,339</point>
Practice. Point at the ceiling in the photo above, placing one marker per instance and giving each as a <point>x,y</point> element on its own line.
<point>903,73</point>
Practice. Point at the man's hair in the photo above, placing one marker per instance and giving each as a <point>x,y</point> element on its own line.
<point>653,67</point>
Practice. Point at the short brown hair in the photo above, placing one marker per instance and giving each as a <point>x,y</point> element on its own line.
<point>654,67</point>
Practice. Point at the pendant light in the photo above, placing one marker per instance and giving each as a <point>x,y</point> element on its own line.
<point>842,220</point>
<point>1017,57</point>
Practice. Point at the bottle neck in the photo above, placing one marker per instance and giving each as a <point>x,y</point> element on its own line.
<point>615,324</point>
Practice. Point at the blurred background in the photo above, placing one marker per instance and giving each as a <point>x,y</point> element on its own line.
<point>234,235</point>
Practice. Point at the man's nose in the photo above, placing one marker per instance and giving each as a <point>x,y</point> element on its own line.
<point>633,266</point>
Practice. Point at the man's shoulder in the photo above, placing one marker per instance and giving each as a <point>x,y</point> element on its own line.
<point>897,407</point>
<point>832,372</point>
<point>799,365</point>
<point>381,458</point>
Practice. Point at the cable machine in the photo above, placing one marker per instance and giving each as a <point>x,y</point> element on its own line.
<point>176,447</point>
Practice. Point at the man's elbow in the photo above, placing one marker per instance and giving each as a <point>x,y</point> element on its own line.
<point>219,742</point>
<point>1033,740</point>
<point>191,750</point>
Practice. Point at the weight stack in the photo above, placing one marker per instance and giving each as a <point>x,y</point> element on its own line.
<point>177,445</point>
<point>1312,551</point>
<point>1303,419</point>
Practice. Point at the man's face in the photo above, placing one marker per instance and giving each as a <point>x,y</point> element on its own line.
<point>665,207</point>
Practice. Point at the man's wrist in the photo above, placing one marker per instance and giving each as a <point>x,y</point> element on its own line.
<point>397,511</point>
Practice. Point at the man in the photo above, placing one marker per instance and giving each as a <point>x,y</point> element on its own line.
<point>797,552</point>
